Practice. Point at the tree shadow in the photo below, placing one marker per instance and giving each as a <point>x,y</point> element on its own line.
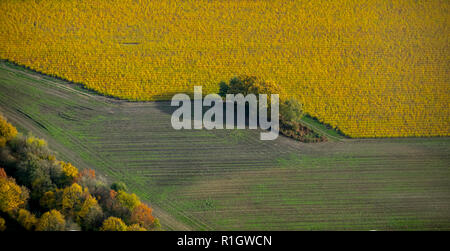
<point>166,107</point>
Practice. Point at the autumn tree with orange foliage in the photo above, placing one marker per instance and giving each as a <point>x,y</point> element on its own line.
<point>142,215</point>
<point>71,200</point>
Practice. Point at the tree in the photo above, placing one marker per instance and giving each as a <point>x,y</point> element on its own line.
<point>90,215</point>
<point>156,224</point>
<point>69,171</point>
<point>51,221</point>
<point>119,186</point>
<point>223,89</point>
<point>87,178</point>
<point>291,111</point>
<point>7,131</point>
<point>252,85</point>
<point>113,224</point>
<point>33,141</point>
<point>127,200</point>
<point>37,176</point>
<point>48,200</point>
<point>113,207</point>
<point>241,84</point>
<point>72,198</point>
<point>34,169</point>
<point>12,196</point>
<point>26,219</point>
<point>89,173</point>
<point>264,87</point>
<point>142,215</point>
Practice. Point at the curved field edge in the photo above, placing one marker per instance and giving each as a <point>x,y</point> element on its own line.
<point>371,68</point>
<point>229,179</point>
<point>333,134</point>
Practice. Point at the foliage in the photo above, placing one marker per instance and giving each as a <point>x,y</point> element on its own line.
<point>69,170</point>
<point>130,201</point>
<point>295,130</point>
<point>119,186</point>
<point>142,215</point>
<point>31,140</point>
<point>72,199</point>
<point>266,87</point>
<point>49,199</point>
<point>87,178</point>
<point>371,68</point>
<point>291,111</point>
<point>7,131</point>
<point>33,166</point>
<point>242,84</point>
<point>223,89</point>
<point>113,224</point>
<point>245,85</point>
<point>12,196</point>
<point>135,227</point>
<point>87,173</point>
<point>90,215</point>
<point>156,224</point>
<point>26,219</point>
<point>51,221</point>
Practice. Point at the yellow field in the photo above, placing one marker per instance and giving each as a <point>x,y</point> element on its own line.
<point>371,68</point>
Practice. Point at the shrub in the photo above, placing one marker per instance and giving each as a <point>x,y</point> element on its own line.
<point>51,221</point>
<point>113,224</point>
<point>142,215</point>
<point>291,111</point>
<point>119,186</point>
<point>69,171</point>
<point>7,131</point>
<point>136,227</point>
<point>26,219</point>
<point>127,200</point>
<point>90,215</point>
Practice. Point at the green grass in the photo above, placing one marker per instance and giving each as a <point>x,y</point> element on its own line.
<point>229,179</point>
<point>322,129</point>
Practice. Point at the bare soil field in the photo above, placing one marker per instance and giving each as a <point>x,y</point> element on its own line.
<point>229,179</point>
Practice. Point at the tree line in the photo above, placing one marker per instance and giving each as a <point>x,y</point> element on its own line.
<point>40,193</point>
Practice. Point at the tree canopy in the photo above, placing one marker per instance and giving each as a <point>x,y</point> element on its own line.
<point>62,197</point>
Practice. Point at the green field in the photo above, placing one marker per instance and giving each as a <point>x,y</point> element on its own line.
<point>229,179</point>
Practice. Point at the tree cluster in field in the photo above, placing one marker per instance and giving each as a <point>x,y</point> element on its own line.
<point>291,111</point>
<point>370,68</point>
<point>39,192</point>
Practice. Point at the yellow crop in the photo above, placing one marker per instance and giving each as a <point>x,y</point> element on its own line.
<point>372,68</point>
